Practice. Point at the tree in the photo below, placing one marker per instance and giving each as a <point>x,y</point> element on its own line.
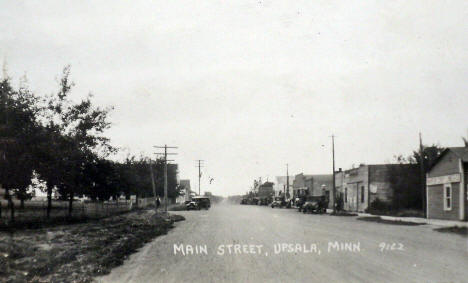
<point>104,178</point>
<point>405,194</point>
<point>18,130</point>
<point>77,132</point>
<point>430,155</point>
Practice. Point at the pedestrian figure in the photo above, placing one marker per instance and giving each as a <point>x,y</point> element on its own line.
<point>158,202</point>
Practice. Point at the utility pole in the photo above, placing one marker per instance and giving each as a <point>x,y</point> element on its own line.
<point>165,170</point>
<point>152,183</point>
<point>423,177</point>
<point>200,165</point>
<point>334,187</point>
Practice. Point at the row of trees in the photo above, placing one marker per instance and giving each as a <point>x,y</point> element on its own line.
<point>62,142</point>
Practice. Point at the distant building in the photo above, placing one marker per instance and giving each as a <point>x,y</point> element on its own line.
<point>299,185</point>
<point>446,191</point>
<point>320,185</point>
<point>312,185</point>
<point>280,187</point>
<point>186,193</point>
<point>265,190</point>
<point>359,187</point>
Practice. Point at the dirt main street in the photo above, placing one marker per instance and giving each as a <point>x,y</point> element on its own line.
<point>234,243</point>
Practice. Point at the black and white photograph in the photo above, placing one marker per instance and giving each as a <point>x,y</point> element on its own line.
<point>233,141</point>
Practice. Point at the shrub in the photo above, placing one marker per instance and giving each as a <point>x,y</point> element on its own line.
<point>379,205</point>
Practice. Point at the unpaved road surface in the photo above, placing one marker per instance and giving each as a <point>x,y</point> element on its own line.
<point>427,255</point>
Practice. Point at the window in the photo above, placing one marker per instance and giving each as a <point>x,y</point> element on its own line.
<point>448,197</point>
<point>362,194</point>
<point>346,195</point>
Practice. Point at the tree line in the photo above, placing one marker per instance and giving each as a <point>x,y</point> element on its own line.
<point>63,143</point>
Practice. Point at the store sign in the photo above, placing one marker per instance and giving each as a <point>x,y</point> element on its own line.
<point>454,178</point>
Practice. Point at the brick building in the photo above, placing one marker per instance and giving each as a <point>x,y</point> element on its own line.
<point>446,190</point>
<point>359,187</point>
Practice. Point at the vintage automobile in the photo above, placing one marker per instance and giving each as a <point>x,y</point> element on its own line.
<point>202,202</point>
<point>192,205</point>
<point>315,204</point>
<point>300,201</point>
<point>265,201</point>
<point>278,202</point>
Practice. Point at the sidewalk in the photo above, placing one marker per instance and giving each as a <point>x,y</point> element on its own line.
<point>437,222</point>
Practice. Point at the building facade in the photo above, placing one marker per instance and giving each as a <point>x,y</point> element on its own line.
<point>318,185</point>
<point>446,189</point>
<point>265,190</point>
<point>299,185</point>
<point>359,187</point>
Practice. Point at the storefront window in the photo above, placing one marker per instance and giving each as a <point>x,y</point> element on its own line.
<point>447,197</point>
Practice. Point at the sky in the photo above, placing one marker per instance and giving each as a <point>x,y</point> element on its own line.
<point>250,86</point>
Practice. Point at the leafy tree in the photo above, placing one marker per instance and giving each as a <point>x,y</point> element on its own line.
<point>18,129</point>
<point>411,194</point>
<point>77,131</point>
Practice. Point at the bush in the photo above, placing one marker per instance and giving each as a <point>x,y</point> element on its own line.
<point>379,205</point>
<point>384,208</point>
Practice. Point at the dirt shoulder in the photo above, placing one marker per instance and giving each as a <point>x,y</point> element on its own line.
<point>78,252</point>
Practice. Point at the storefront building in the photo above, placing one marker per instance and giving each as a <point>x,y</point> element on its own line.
<point>446,189</point>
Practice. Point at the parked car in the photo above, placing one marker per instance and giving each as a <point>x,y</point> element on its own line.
<point>278,202</point>
<point>265,201</point>
<point>300,203</point>
<point>202,202</point>
<point>315,204</point>
<point>192,205</point>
